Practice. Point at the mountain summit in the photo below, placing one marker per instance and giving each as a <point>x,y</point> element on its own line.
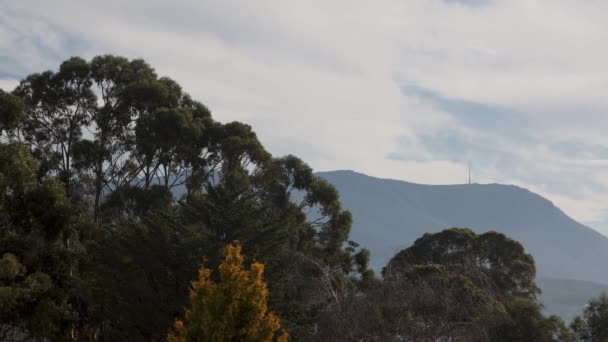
<point>389,215</point>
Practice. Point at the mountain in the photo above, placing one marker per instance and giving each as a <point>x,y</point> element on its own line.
<point>566,297</point>
<point>388,215</point>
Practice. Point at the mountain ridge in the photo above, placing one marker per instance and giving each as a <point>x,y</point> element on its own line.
<point>406,210</point>
<point>389,215</point>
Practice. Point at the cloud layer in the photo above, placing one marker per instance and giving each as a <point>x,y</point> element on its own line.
<point>414,90</point>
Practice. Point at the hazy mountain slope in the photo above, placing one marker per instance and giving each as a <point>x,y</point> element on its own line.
<point>567,298</point>
<point>389,215</point>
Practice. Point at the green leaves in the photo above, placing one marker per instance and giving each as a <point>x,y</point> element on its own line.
<point>36,270</point>
<point>592,325</point>
<point>239,146</point>
<point>488,257</point>
<point>493,267</point>
<point>11,111</point>
<point>28,303</point>
<point>140,272</point>
<point>10,268</point>
<point>17,170</point>
<point>101,232</point>
<point>58,105</point>
<point>527,323</point>
<point>122,171</point>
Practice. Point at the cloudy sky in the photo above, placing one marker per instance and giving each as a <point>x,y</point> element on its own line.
<point>406,89</point>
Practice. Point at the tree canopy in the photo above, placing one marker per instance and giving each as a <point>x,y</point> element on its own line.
<point>489,259</point>
<point>116,183</point>
<point>592,324</point>
<point>234,309</point>
<point>497,280</point>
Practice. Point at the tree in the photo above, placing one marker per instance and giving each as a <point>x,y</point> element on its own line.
<point>592,325</point>
<point>27,308</point>
<point>11,111</point>
<point>525,322</point>
<point>234,309</point>
<point>58,106</point>
<point>37,270</point>
<point>491,260</point>
<point>498,268</point>
<point>158,183</point>
<point>265,209</point>
<point>139,273</point>
<point>426,304</point>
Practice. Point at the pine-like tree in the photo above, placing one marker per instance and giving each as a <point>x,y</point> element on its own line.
<point>233,309</point>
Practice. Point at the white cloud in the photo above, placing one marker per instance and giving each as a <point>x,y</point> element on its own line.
<point>8,85</point>
<point>323,79</point>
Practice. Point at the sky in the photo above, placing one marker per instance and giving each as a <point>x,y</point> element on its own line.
<point>417,90</point>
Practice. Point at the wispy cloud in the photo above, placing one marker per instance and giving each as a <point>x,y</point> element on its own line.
<point>413,90</point>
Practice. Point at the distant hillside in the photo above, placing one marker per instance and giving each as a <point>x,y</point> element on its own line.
<point>389,215</point>
<point>567,298</point>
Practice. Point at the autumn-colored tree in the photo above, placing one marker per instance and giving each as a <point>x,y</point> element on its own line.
<point>233,309</point>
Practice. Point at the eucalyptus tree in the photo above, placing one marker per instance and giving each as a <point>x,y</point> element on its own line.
<point>491,260</point>
<point>161,184</point>
<point>58,105</point>
<point>11,111</point>
<point>497,267</point>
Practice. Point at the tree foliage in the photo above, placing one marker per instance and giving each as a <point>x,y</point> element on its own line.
<point>234,309</point>
<point>126,182</point>
<point>11,110</point>
<point>496,280</point>
<point>36,280</point>
<point>114,183</point>
<point>490,260</point>
<point>592,325</point>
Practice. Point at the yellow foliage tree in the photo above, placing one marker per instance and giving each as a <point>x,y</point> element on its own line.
<point>235,309</point>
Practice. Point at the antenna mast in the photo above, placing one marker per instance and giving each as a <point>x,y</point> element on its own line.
<point>469,174</point>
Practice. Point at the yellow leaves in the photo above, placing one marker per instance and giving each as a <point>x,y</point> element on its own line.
<point>257,271</point>
<point>284,337</point>
<point>203,280</point>
<point>233,255</point>
<point>234,309</point>
<point>177,333</point>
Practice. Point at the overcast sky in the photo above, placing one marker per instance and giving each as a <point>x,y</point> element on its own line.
<point>406,89</point>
